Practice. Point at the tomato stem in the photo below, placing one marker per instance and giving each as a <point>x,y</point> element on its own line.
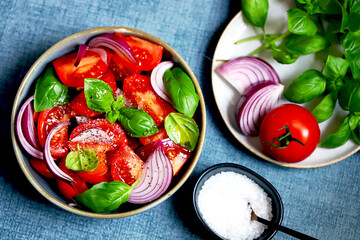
<point>285,139</point>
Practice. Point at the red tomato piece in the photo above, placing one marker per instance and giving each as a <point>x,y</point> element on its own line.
<point>147,54</point>
<point>79,105</point>
<point>40,167</point>
<point>126,166</point>
<point>100,147</point>
<point>91,66</point>
<point>160,135</point>
<point>137,89</point>
<point>133,142</point>
<point>113,130</point>
<point>122,68</point>
<point>100,174</point>
<point>47,120</point>
<point>177,154</point>
<point>77,187</point>
<point>298,124</point>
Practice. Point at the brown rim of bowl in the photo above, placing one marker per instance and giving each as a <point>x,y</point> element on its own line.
<point>196,153</point>
<point>249,147</point>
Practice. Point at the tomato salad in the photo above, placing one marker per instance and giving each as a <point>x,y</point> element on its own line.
<point>112,122</point>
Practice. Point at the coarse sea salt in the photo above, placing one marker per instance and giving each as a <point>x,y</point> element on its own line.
<point>223,204</point>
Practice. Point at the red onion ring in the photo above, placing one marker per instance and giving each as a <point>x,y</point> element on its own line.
<point>80,54</point>
<point>157,81</point>
<point>49,160</point>
<point>154,180</point>
<point>25,128</point>
<point>246,72</point>
<point>253,106</point>
<point>102,52</point>
<point>115,43</point>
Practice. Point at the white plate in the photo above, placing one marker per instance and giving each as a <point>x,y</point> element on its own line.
<point>226,96</point>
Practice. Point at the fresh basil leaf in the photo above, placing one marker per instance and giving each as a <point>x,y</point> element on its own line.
<point>182,129</point>
<point>283,57</point>
<point>353,121</point>
<point>181,90</point>
<point>330,7</point>
<point>324,110</point>
<point>98,94</point>
<point>118,103</point>
<point>306,87</point>
<point>303,45</point>
<point>335,67</point>
<point>351,45</point>
<point>136,122</point>
<point>311,6</point>
<point>353,21</point>
<point>300,22</point>
<point>112,116</point>
<point>49,91</point>
<point>105,196</point>
<point>255,11</point>
<point>349,96</point>
<point>82,160</point>
<point>339,137</point>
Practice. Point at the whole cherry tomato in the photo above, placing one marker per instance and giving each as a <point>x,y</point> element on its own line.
<point>289,133</point>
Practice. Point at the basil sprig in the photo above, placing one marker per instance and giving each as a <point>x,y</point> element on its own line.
<point>104,196</point>
<point>306,87</point>
<point>182,91</point>
<point>99,98</point>
<point>82,160</point>
<point>182,129</point>
<point>137,122</point>
<point>49,91</point>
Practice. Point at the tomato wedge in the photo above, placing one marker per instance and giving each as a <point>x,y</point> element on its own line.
<point>113,130</point>
<point>138,91</point>
<point>122,68</point>
<point>84,136</point>
<point>77,187</point>
<point>126,166</point>
<point>147,54</point>
<point>177,154</point>
<point>40,167</point>
<point>160,135</point>
<point>91,66</point>
<point>47,120</point>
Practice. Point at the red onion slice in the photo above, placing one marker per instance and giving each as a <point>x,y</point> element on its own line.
<point>81,119</point>
<point>254,105</point>
<point>80,54</point>
<point>246,72</point>
<point>93,135</point>
<point>154,180</point>
<point>115,43</point>
<point>157,81</point>
<point>49,160</point>
<point>26,131</point>
<point>102,52</point>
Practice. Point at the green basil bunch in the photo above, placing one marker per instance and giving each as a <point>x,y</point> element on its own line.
<point>49,91</point>
<point>99,98</point>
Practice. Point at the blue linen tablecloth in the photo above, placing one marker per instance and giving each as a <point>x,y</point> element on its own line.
<point>322,202</point>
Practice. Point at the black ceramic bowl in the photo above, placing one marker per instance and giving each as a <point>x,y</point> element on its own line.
<point>277,205</point>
